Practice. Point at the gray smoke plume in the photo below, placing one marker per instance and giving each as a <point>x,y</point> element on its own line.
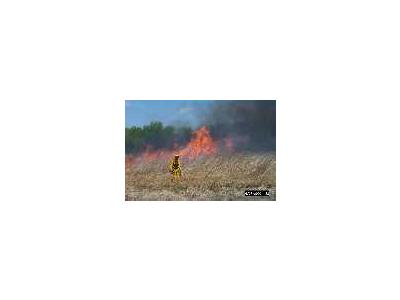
<point>251,124</point>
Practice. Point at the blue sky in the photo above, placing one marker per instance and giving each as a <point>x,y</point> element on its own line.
<point>169,112</point>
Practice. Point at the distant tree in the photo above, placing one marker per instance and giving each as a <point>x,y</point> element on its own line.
<point>155,136</point>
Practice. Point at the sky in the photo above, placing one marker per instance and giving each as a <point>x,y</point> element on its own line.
<point>169,112</point>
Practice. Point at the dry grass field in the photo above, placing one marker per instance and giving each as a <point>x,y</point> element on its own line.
<point>217,177</point>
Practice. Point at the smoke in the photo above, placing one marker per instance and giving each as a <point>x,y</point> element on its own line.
<point>250,124</point>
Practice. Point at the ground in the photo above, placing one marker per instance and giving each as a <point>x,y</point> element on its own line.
<point>218,177</point>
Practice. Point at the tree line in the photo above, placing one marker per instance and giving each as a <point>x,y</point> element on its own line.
<point>155,136</point>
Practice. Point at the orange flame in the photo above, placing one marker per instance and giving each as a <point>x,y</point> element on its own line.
<point>149,155</point>
<point>200,144</point>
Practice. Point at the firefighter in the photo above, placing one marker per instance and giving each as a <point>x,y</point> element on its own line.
<point>174,167</point>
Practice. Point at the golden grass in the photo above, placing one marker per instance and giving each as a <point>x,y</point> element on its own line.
<point>219,177</point>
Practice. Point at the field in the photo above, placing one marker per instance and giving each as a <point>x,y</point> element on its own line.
<point>216,177</point>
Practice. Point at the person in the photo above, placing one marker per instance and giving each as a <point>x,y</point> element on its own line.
<point>174,167</point>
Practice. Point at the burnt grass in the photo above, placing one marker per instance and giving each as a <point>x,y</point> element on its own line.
<point>218,177</point>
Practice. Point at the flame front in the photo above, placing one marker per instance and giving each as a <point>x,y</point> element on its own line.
<point>201,144</point>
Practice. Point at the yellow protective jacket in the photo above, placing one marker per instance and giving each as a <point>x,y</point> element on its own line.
<point>174,167</point>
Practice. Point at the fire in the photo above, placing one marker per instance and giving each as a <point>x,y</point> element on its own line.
<point>149,154</point>
<point>201,144</point>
